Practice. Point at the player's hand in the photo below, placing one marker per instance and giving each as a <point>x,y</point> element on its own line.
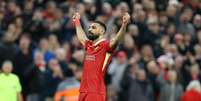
<point>125,18</point>
<point>76,16</point>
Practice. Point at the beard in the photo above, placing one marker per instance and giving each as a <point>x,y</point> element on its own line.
<point>92,36</point>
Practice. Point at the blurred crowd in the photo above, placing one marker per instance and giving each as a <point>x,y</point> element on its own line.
<point>158,60</point>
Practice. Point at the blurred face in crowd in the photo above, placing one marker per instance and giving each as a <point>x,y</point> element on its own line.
<point>187,38</point>
<point>197,21</point>
<point>141,16</point>
<point>107,8</point>
<point>8,37</point>
<point>138,13</point>
<point>123,7</point>
<point>60,54</point>
<point>134,69</point>
<point>78,55</point>
<point>24,42</point>
<point>128,42</point>
<point>179,62</point>
<point>53,64</point>
<point>154,27</point>
<point>186,15</point>
<point>78,73</point>
<point>197,49</point>
<point>121,57</point>
<point>37,15</point>
<point>7,67</point>
<point>66,46</point>
<point>1,16</point>
<point>172,76</point>
<point>44,45</point>
<point>171,30</point>
<point>165,40</point>
<point>179,39</point>
<point>141,75</point>
<point>199,36</point>
<point>12,6</point>
<point>80,8</point>
<point>171,10</point>
<point>95,30</point>
<point>137,7</point>
<point>11,28</point>
<point>19,22</point>
<point>89,5</point>
<point>28,6</point>
<point>133,30</point>
<point>75,42</point>
<point>51,7</point>
<point>148,5</point>
<point>59,14</point>
<point>153,68</point>
<point>147,51</point>
<point>53,39</point>
<point>39,57</point>
<point>194,70</point>
<point>163,19</point>
<point>171,49</point>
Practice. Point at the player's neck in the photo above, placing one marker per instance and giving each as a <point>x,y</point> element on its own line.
<point>95,41</point>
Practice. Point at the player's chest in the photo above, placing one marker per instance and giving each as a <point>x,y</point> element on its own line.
<point>8,85</point>
<point>94,49</point>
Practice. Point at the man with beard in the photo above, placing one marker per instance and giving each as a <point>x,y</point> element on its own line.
<point>98,55</point>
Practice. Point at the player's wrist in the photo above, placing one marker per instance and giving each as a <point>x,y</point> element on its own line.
<point>77,22</point>
<point>123,24</point>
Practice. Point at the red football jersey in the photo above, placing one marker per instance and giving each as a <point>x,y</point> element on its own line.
<point>98,55</point>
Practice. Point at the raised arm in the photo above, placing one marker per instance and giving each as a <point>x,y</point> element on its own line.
<point>119,36</point>
<point>79,30</point>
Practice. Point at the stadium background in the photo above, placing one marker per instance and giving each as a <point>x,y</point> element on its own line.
<point>158,58</point>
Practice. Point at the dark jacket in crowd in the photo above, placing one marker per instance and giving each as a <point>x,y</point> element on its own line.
<point>21,65</point>
<point>140,91</point>
<point>7,51</point>
<point>169,92</point>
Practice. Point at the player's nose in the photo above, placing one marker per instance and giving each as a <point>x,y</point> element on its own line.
<point>89,29</point>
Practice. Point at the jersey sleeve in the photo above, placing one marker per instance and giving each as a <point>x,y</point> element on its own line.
<point>87,44</point>
<point>108,48</point>
<point>18,85</point>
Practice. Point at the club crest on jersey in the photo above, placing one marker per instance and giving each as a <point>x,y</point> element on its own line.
<point>96,48</point>
<point>90,57</point>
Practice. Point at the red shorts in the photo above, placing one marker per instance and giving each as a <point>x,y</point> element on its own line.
<point>91,97</point>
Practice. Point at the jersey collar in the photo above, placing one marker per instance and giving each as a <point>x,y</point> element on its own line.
<point>99,41</point>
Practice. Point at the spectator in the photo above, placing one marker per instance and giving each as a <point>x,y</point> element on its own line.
<point>117,68</point>
<point>53,76</point>
<point>45,47</point>
<point>140,89</point>
<point>194,74</point>
<point>172,90</point>
<point>185,26</point>
<point>153,72</point>
<point>10,84</point>
<point>193,92</point>
<point>68,89</point>
<point>8,48</point>
<point>37,72</point>
<point>23,60</point>
<point>128,76</point>
<point>61,56</point>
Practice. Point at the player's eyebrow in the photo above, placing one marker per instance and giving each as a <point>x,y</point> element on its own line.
<point>92,26</point>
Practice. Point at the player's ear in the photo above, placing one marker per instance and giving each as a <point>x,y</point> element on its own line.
<point>102,31</point>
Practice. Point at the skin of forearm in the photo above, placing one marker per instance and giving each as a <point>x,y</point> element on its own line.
<point>119,36</point>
